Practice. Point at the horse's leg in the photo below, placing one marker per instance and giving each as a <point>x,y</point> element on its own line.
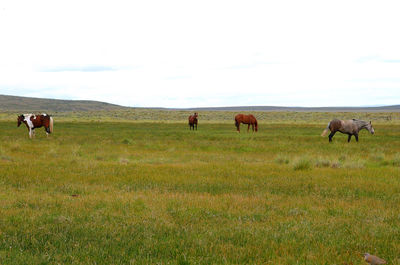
<point>248,127</point>
<point>349,138</point>
<point>238,127</point>
<point>331,135</point>
<point>196,127</point>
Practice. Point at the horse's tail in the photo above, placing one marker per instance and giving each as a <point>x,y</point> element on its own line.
<point>51,124</point>
<point>326,130</point>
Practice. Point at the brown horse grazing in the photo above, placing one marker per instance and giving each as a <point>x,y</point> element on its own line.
<point>350,127</point>
<point>193,121</point>
<point>36,121</point>
<point>246,119</point>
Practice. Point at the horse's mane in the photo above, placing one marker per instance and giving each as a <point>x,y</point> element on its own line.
<point>360,123</point>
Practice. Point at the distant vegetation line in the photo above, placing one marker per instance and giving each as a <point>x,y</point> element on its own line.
<point>393,108</point>
<point>265,118</point>
<point>28,104</point>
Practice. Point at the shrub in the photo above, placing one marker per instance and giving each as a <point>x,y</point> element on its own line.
<point>302,164</point>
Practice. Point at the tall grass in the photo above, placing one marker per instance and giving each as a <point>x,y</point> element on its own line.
<point>157,193</point>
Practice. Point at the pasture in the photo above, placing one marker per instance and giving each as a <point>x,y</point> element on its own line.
<point>131,192</point>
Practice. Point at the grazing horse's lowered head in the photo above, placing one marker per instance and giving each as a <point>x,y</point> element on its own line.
<point>370,128</point>
<point>349,127</point>
<point>33,121</point>
<point>20,119</point>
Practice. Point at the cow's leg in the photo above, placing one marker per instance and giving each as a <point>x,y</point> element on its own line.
<point>356,135</point>
<point>349,138</point>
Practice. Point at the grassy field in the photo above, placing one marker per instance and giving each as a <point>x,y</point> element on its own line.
<point>156,193</point>
<point>221,117</point>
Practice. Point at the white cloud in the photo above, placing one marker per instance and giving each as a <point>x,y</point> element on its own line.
<point>202,53</point>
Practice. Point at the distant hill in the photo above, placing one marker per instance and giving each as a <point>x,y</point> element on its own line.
<point>27,104</point>
<point>394,108</point>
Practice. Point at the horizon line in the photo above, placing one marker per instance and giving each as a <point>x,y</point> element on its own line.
<point>209,107</point>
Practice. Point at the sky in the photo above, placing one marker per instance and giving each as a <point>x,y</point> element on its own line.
<point>202,53</point>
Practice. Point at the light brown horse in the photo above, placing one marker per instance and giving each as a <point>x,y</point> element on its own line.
<point>246,119</point>
<point>33,121</point>
<point>193,121</point>
<point>349,127</point>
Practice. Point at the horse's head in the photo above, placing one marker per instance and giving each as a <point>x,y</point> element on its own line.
<point>20,119</point>
<point>195,115</point>
<point>370,128</point>
<point>256,127</point>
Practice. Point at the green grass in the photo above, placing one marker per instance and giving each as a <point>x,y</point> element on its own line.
<point>216,117</point>
<point>157,193</point>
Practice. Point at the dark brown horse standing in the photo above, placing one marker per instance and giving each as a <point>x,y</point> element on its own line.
<point>349,127</point>
<point>33,121</point>
<point>193,121</point>
<point>246,119</point>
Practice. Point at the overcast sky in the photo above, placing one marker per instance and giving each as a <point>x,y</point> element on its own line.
<point>202,53</point>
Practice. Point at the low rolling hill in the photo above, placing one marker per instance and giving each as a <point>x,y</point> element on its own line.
<point>393,108</point>
<point>28,104</point>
